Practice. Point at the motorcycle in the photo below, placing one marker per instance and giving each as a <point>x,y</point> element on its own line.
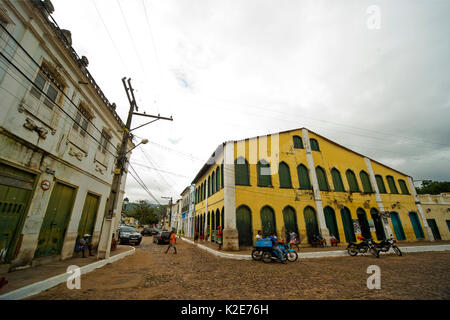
<point>263,250</point>
<point>386,245</point>
<point>365,245</point>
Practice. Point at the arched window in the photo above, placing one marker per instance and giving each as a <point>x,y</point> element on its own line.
<point>314,145</point>
<point>403,186</point>
<point>322,179</point>
<point>351,178</point>
<point>213,183</point>
<point>264,174</point>
<point>303,177</point>
<point>209,186</point>
<point>204,190</point>
<point>285,175</point>
<point>298,143</point>
<point>337,180</point>
<point>217,179</point>
<point>242,173</point>
<point>391,183</point>
<point>367,187</point>
<point>221,174</point>
<point>380,184</point>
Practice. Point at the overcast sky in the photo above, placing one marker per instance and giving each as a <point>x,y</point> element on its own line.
<point>235,69</point>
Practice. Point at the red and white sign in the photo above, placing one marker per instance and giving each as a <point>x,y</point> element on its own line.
<point>45,185</point>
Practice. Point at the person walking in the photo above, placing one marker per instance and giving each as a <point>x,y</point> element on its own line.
<point>219,237</point>
<point>172,242</point>
<point>293,240</point>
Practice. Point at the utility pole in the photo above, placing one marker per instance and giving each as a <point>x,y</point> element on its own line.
<point>169,210</point>
<point>104,246</point>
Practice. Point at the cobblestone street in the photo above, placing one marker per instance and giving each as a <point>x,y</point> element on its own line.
<point>196,274</point>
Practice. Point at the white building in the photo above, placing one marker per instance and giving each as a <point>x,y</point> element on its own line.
<point>58,139</point>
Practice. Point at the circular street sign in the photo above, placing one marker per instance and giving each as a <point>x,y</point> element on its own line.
<point>45,184</point>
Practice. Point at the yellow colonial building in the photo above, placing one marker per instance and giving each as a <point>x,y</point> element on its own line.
<point>299,180</point>
<point>437,212</point>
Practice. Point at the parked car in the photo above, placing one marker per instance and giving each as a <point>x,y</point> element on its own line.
<point>161,237</point>
<point>129,235</point>
<point>147,232</point>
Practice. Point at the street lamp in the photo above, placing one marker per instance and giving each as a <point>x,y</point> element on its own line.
<point>143,141</point>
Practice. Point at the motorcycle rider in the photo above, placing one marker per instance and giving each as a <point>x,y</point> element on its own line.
<point>274,240</point>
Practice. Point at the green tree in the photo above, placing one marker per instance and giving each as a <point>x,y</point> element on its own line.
<point>144,212</point>
<point>433,187</point>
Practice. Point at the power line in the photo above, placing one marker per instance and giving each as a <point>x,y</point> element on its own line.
<point>141,183</point>
<point>49,78</point>
<point>109,34</point>
<point>42,92</point>
<point>390,134</point>
<point>156,169</point>
<point>131,36</point>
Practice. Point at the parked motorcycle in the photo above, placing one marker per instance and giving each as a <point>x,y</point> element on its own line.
<point>386,245</point>
<point>365,245</point>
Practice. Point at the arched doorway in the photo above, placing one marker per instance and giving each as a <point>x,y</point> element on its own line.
<point>379,229</point>
<point>398,228</point>
<point>363,223</point>
<point>418,231</point>
<point>268,221</point>
<point>330,220</point>
<point>290,220</point>
<point>347,221</point>
<point>218,223</point>
<point>310,222</point>
<point>244,225</point>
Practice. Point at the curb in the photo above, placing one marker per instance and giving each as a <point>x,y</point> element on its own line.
<point>324,254</point>
<point>43,285</point>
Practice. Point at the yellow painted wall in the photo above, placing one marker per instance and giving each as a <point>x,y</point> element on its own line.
<point>330,155</point>
<point>437,207</point>
<point>215,201</point>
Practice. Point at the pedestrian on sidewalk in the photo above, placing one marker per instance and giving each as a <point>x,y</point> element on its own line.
<point>293,240</point>
<point>85,245</point>
<point>172,242</point>
<point>219,237</point>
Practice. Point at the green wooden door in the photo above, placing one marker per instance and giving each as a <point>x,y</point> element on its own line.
<point>244,226</point>
<point>364,224</point>
<point>379,229</point>
<point>290,221</point>
<point>434,229</point>
<point>310,222</point>
<point>398,228</point>
<point>89,216</point>
<point>15,192</point>
<point>268,221</point>
<point>330,220</point>
<point>348,225</point>
<point>53,230</point>
<point>418,231</point>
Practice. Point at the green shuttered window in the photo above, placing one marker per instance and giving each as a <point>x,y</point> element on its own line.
<point>264,174</point>
<point>322,179</point>
<point>298,143</point>
<point>391,183</point>
<point>380,184</point>
<point>337,180</point>
<point>242,176</point>
<point>285,176</point>
<point>314,145</point>
<point>367,187</point>
<point>303,177</point>
<point>403,186</point>
<point>351,178</point>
